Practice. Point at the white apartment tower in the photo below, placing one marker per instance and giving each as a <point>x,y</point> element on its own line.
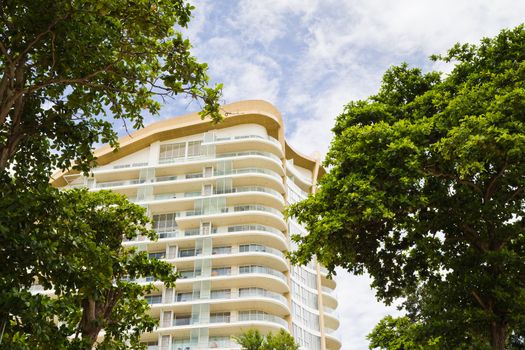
<point>216,195</point>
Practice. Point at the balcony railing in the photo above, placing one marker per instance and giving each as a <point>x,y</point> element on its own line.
<point>245,248</point>
<point>243,270</point>
<point>119,183</point>
<point>242,316</point>
<point>247,171</point>
<point>234,209</point>
<point>243,137</point>
<point>175,195</point>
<point>197,232</point>
<point>220,156</point>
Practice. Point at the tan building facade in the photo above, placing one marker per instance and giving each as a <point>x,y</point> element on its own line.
<point>216,195</point>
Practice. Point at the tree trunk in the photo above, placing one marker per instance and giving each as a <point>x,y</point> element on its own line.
<point>89,326</point>
<point>498,335</point>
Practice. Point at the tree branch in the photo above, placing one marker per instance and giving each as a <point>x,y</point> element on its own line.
<point>471,234</point>
<point>480,301</point>
<point>467,183</point>
<point>39,37</point>
<point>489,190</point>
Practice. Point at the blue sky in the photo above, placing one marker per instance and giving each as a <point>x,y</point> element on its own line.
<point>311,57</point>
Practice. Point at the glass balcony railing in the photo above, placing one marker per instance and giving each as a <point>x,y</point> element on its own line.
<point>222,250</point>
<point>243,137</point>
<point>256,248</point>
<point>253,227</point>
<point>249,189</point>
<point>175,195</point>
<point>247,171</point>
<point>119,183</point>
<point>333,333</point>
<point>260,316</point>
<point>220,156</point>
<point>226,317</point>
<point>228,271</point>
<point>234,209</point>
<point>184,177</point>
<point>248,153</point>
<point>327,290</point>
<point>256,269</point>
<point>222,342</point>
<point>173,233</point>
<point>330,311</point>
<point>220,296</point>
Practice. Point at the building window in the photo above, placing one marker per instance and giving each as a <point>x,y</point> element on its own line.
<point>182,297</point>
<point>220,317</point>
<point>220,294</point>
<point>221,250</point>
<point>157,255</point>
<point>221,271</point>
<point>182,320</point>
<point>172,151</point>
<point>195,148</point>
<point>184,253</point>
<point>153,299</point>
<point>165,222</point>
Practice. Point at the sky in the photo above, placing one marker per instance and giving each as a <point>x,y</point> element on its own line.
<point>311,57</point>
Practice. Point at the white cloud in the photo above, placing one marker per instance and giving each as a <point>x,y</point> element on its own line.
<point>266,21</point>
<point>359,309</point>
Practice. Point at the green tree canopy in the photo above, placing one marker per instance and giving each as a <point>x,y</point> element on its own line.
<point>68,68</point>
<point>252,339</point>
<point>426,193</point>
<point>399,334</point>
<point>91,274</point>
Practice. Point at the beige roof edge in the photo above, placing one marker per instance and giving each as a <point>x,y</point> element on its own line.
<point>258,111</point>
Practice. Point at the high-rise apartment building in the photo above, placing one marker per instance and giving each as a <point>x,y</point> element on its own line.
<point>216,195</point>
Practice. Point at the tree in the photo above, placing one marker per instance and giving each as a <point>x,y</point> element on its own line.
<point>399,334</point>
<point>281,341</point>
<point>68,68</point>
<point>92,276</point>
<point>426,193</point>
<point>252,339</point>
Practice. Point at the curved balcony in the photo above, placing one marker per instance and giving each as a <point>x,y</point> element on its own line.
<point>246,233</point>
<point>242,316</point>
<point>249,171</point>
<point>184,168</point>
<point>240,142</point>
<point>333,339</point>
<point>331,319</point>
<point>325,281</point>
<point>217,173</point>
<point>300,180</point>
<point>247,137</point>
<point>245,254</point>
<point>225,278</point>
<point>218,300</point>
<point>176,201</point>
<point>242,159</point>
<point>240,214</point>
<point>122,183</point>
<point>329,298</point>
<point>228,272</point>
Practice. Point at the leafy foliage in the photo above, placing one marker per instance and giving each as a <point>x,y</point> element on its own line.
<point>91,273</point>
<point>252,339</point>
<point>425,193</point>
<point>68,68</point>
<point>399,334</point>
